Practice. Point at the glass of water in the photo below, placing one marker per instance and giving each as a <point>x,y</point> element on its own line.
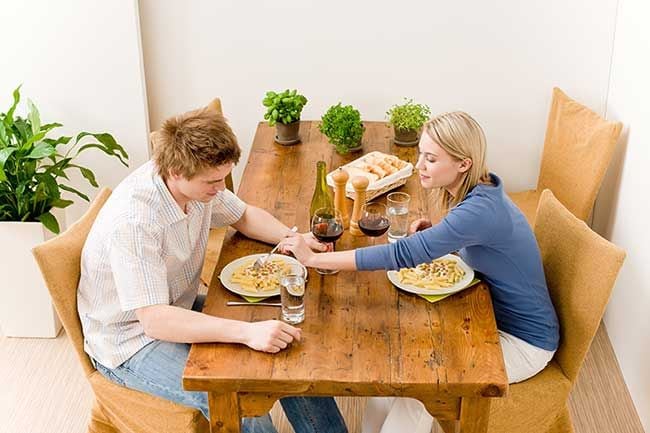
<point>398,214</point>
<point>292,294</point>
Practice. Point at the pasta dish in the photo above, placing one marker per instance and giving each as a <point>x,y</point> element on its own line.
<point>440,273</point>
<point>264,279</point>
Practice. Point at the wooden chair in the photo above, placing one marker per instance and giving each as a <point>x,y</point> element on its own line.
<point>116,408</point>
<point>578,147</point>
<point>581,269</point>
<point>215,240</point>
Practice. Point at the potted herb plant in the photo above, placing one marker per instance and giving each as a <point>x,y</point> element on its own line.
<point>342,126</point>
<point>407,120</point>
<point>34,172</point>
<point>283,110</point>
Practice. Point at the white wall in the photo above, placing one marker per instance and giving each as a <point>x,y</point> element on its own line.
<point>623,207</point>
<point>80,62</point>
<point>496,60</point>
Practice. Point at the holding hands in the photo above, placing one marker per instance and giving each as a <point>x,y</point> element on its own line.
<point>301,246</point>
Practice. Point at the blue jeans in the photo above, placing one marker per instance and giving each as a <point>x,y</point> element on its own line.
<point>158,369</point>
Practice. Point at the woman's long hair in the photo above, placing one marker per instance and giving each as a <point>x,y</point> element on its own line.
<point>461,137</point>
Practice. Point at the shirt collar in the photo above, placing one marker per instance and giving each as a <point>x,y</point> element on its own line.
<point>170,211</point>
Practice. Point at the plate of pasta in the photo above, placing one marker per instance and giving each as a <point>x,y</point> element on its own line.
<point>444,275</point>
<point>239,276</point>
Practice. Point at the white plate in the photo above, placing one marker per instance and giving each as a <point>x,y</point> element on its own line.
<point>227,271</point>
<point>393,276</point>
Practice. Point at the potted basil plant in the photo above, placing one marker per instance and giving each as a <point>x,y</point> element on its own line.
<point>283,111</point>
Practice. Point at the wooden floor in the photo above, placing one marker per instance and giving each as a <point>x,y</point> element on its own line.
<point>42,390</point>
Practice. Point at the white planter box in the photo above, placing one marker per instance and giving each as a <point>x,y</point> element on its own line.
<point>26,308</point>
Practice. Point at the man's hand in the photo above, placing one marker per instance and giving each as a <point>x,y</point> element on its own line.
<point>270,335</point>
<point>419,225</point>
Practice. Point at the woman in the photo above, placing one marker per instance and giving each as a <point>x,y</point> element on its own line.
<point>490,234</point>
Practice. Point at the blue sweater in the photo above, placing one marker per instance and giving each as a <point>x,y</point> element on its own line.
<point>492,236</point>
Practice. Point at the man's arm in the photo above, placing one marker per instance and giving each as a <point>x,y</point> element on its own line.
<point>258,224</point>
<point>175,324</point>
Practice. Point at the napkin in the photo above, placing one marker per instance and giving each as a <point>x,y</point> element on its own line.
<point>436,298</point>
<point>254,299</point>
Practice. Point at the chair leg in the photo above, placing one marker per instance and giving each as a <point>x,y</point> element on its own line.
<point>563,423</point>
<point>99,423</point>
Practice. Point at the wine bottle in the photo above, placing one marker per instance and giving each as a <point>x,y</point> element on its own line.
<point>322,195</point>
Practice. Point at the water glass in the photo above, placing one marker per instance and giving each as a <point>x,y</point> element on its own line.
<point>398,214</point>
<point>292,294</point>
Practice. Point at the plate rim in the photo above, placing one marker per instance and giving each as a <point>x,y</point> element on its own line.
<point>469,275</point>
<point>238,290</point>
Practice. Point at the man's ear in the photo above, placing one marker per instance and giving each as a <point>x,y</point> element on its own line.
<point>465,165</point>
<point>174,176</point>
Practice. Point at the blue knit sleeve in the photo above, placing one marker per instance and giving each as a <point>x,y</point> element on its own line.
<point>473,222</point>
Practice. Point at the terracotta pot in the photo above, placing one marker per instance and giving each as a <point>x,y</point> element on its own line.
<point>287,134</point>
<point>407,138</point>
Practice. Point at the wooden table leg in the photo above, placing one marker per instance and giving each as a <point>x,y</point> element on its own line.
<point>448,426</point>
<point>474,414</point>
<point>224,413</point>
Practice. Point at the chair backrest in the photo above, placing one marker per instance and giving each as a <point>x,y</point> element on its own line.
<point>60,262</point>
<point>215,105</point>
<point>578,147</point>
<point>581,269</point>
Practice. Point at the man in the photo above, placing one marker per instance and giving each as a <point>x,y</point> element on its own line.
<point>141,265</point>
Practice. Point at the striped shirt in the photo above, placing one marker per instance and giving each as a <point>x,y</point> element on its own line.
<point>143,250</point>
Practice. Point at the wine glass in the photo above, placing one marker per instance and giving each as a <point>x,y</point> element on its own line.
<point>374,221</point>
<point>327,227</point>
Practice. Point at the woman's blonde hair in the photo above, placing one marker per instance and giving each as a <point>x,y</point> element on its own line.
<point>461,137</point>
<point>193,141</point>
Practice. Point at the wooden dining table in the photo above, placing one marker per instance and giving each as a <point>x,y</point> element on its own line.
<point>361,335</point>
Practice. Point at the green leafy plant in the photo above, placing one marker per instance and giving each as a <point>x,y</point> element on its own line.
<point>408,116</point>
<point>342,126</point>
<point>32,165</point>
<point>284,107</point>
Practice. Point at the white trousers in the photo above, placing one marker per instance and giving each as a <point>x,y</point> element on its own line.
<point>399,415</point>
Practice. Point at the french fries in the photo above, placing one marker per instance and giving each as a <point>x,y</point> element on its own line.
<point>439,274</point>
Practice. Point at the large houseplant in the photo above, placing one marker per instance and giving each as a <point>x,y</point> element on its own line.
<point>343,128</point>
<point>407,120</point>
<point>34,169</point>
<point>283,111</point>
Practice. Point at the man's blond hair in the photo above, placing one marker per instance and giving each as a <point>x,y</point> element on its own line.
<point>193,141</point>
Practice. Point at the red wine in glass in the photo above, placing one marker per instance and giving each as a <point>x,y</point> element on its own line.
<point>327,232</point>
<point>374,221</point>
<point>374,226</point>
<point>327,227</point>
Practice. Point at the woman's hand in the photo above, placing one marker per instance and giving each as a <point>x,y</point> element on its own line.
<point>270,335</point>
<point>297,244</point>
<point>419,225</point>
<point>314,243</point>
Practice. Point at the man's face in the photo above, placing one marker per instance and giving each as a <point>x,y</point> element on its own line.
<point>205,185</point>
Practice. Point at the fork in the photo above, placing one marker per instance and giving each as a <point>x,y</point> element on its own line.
<point>262,259</point>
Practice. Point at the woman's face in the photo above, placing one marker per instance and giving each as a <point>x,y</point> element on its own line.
<point>437,168</point>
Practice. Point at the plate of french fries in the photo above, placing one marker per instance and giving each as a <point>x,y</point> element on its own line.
<point>444,275</point>
<point>241,277</point>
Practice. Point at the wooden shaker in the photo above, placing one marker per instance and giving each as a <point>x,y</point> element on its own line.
<point>340,178</point>
<point>360,184</point>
